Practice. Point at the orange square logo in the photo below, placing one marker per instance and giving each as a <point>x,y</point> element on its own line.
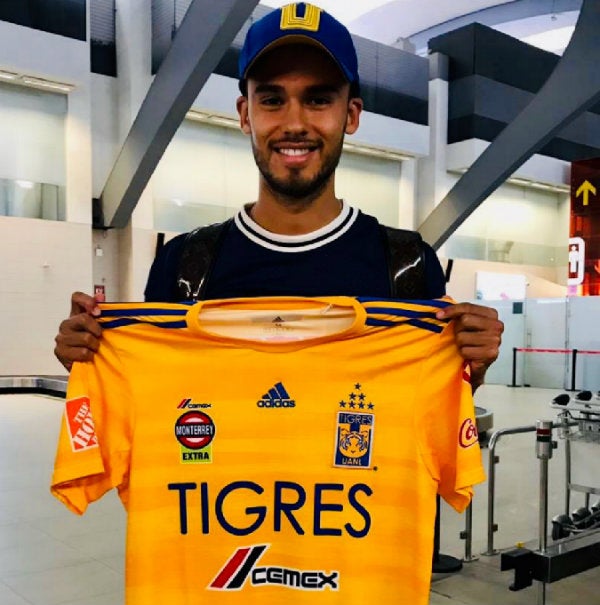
<point>80,423</point>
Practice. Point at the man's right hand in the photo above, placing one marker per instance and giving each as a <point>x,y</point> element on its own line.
<point>79,336</point>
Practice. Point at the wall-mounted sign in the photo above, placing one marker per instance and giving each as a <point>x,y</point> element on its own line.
<point>100,293</point>
<point>584,243</point>
<point>576,261</point>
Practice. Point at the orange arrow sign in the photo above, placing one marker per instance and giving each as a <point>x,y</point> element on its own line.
<point>585,189</point>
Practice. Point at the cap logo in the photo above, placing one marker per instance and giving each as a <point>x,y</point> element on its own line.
<point>291,20</point>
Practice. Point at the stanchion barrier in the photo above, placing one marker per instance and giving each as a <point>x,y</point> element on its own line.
<point>514,369</point>
<point>574,353</point>
<point>467,535</point>
<point>577,352</point>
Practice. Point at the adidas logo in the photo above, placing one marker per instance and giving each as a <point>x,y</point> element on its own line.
<point>277,397</point>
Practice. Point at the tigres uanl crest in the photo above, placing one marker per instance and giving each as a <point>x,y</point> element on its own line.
<point>354,439</point>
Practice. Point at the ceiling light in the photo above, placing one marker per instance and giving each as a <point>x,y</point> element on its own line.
<point>7,75</point>
<point>378,152</point>
<point>516,181</point>
<point>47,84</point>
<point>212,118</point>
<point>554,187</point>
<point>207,117</point>
<point>25,184</point>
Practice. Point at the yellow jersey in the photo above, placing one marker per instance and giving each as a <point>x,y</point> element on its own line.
<point>272,450</point>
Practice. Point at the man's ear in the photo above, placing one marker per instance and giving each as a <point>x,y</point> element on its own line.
<point>355,106</point>
<point>242,108</point>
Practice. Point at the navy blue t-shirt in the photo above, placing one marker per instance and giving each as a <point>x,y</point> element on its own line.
<point>344,258</point>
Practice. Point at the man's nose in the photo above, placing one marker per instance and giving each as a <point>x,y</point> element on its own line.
<point>295,118</point>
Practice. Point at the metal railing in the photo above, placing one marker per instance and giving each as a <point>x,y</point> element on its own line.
<point>493,460</point>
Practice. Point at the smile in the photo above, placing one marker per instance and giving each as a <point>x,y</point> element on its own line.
<point>293,152</point>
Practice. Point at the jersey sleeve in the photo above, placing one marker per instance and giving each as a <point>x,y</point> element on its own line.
<point>93,448</point>
<point>446,423</point>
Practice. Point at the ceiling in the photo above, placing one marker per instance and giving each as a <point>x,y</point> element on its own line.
<point>547,24</point>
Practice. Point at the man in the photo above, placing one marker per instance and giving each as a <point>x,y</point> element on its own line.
<point>300,96</point>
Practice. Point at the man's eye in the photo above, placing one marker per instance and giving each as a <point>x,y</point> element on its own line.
<point>319,101</point>
<point>271,101</point>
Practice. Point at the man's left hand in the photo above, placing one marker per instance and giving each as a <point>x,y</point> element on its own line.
<point>478,334</point>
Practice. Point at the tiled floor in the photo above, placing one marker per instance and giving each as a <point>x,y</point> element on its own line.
<point>48,556</point>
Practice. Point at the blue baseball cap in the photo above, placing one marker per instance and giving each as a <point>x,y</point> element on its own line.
<point>300,23</point>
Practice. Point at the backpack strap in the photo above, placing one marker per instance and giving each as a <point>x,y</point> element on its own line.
<point>406,263</point>
<point>196,261</point>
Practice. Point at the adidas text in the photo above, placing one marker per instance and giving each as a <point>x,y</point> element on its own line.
<point>276,403</point>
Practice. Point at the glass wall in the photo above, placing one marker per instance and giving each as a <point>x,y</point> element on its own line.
<point>27,199</point>
<point>517,225</point>
<point>32,153</point>
<point>207,173</point>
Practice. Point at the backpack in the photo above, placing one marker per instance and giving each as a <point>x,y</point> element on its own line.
<point>404,252</point>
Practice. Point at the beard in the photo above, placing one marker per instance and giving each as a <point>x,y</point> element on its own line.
<point>295,188</point>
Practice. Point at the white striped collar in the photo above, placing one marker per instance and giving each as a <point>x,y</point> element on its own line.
<point>296,243</point>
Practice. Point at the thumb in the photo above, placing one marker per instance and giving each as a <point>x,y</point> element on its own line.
<point>84,303</point>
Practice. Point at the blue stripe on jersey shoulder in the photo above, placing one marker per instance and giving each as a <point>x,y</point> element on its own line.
<point>387,323</point>
<point>440,304</point>
<point>139,311</point>
<point>401,312</point>
<point>129,321</point>
<point>403,316</point>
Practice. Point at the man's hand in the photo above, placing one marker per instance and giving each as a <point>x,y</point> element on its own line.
<point>478,334</point>
<point>78,337</point>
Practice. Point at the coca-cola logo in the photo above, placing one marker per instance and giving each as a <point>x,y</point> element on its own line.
<point>468,434</point>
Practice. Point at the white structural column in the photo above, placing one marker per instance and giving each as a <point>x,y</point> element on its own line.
<point>433,182</point>
<point>133,23</point>
<point>407,188</point>
<point>78,139</point>
<point>78,151</point>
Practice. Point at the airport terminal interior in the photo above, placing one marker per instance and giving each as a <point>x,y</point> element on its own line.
<point>480,130</point>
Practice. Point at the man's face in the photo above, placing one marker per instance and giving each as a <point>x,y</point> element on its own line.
<point>297,112</point>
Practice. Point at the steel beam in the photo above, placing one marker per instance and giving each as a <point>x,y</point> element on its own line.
<point>205,34</point>
<point>572,88</point>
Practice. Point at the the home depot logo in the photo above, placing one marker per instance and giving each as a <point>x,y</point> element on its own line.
<point>80,424</point>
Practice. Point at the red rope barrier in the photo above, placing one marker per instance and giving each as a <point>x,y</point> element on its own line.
<point>579,351</point>
<point>574,353</point>
<point>546,350</point>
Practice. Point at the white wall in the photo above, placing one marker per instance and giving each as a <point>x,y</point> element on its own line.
<point>41,263</point>
<point>542,282</point>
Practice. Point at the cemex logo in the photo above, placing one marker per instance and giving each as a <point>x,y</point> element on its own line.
<point>242,564</point>
<point>187,403</point>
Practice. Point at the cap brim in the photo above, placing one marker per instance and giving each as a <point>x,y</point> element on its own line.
<point>293,39</point>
